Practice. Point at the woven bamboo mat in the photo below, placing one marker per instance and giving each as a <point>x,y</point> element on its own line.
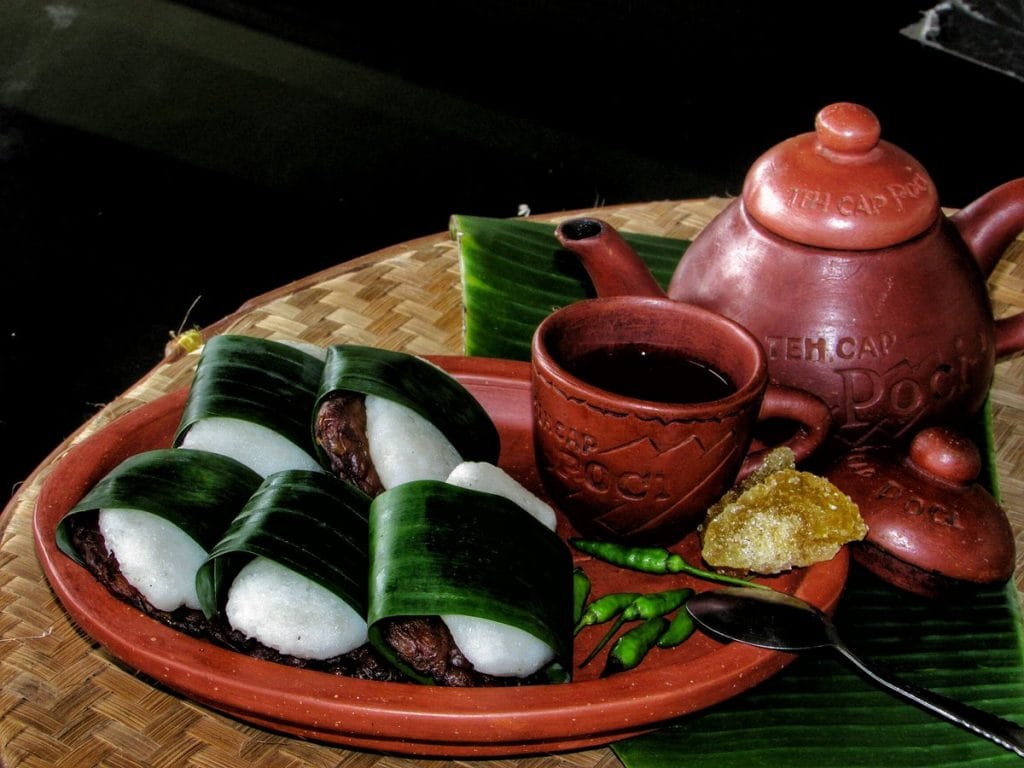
<point>64,701</point>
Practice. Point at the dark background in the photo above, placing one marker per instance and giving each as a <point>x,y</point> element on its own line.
<point>156,154</point>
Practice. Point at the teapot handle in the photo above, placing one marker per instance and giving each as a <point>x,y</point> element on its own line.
<point>988,226</point>
<point>792,404</point>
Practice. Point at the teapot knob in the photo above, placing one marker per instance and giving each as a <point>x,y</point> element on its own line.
<point>945,455</point>
<point>847,128</point>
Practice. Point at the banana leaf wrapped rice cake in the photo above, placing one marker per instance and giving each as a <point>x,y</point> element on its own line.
<point>147,526</point>
<point>250,399</point>
<point>384,418</point>
<point>310,566</point>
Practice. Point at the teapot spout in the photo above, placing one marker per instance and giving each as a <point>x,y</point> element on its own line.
<point>613,266</point>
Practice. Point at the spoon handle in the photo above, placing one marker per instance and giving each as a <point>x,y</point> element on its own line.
<point>1003,732</point>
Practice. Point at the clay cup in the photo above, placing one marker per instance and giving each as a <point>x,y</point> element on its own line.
<point>619,448</point>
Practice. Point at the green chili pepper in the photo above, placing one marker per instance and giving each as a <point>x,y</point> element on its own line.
<point>652,560</point>
<point>680,628</point>
<point>643,607</point>
<point>629,650</point>
<point>580,593</point>
<point>656,604</point>
<point>646,559</point>
<point>605,608</point>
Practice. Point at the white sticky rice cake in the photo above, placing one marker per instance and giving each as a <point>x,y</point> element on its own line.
<point>278,607</point>
<point>261,449</point>
<point>320,353</point>
<point>494,648</point>
<point>292,614</point>
<point>405,446</point>
<point>155,556</point>
<point>482,476</point>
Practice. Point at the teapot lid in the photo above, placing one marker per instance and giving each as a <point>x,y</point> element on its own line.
<point>841,186</point>
<point>926,511</point>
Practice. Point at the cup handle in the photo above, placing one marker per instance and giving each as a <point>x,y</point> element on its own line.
<point>792,404</point>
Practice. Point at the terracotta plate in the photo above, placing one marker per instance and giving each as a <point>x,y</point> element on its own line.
<point>407,718</point>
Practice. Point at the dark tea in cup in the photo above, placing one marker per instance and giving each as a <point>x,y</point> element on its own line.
<point>649,372</point>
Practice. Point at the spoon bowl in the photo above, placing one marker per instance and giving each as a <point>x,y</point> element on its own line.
<point>769,619</point>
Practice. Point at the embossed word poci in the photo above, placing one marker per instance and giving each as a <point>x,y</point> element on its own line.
<point>578,462</point>
<point>605,472</point>
<point>879,390</point>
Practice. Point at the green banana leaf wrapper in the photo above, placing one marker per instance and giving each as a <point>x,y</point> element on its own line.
<point>817,712</point>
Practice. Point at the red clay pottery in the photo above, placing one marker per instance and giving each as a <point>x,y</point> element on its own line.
<point>932,529</point>
<point>634,435</point>
<point>838,258</point>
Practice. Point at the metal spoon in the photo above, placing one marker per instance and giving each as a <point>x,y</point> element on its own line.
<point>778,621</point>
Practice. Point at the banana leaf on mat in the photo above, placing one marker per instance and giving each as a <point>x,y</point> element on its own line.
<point>817,712</point>
<point>515,273</point>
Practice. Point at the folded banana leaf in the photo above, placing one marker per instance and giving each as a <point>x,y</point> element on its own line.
<point>197,491</point>
<point>515,273</point>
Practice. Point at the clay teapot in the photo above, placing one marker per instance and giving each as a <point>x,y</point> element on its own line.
<point>839,259</point>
